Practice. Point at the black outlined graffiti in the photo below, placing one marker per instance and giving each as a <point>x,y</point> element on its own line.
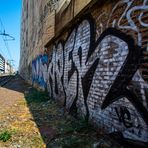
<point>83,80</point>
<point>70,73</point>
<point>124,116</point>
<point>119,87</point>
<point>86,72</point>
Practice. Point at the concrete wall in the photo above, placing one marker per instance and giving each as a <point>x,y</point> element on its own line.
<point>98,66</point>
<point>37,28</point>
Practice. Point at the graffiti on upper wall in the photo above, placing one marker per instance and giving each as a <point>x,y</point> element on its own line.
<point>102,73</point>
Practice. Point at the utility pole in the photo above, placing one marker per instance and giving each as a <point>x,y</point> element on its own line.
<point>7,35</point>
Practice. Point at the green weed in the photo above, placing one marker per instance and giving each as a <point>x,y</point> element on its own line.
<point>5,136</point>
<point>36,96</point>
<point>71,141</point>
<point>79,125</point>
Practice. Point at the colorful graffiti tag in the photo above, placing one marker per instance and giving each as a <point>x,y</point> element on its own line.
<point>39,70</point>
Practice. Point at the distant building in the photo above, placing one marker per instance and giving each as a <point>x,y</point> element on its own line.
<point>2,64</point>
<point>5,66</point>
<point>8,68</point>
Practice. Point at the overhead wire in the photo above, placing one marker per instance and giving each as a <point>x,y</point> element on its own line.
<point>4,39</point>
<point>2,28</point>
<point>7,46</point>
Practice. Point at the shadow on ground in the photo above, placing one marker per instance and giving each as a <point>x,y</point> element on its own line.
<point>57,128</point>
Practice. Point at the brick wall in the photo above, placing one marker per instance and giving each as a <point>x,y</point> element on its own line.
<point>99,67</point>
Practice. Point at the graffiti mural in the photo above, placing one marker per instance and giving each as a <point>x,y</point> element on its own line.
<point>39,70</point>
<point>101,70</point>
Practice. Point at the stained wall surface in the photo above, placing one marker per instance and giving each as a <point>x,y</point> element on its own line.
<point>99,67</point>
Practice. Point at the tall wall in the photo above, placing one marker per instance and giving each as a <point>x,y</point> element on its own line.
<point>37,27</point>
<point>98,65</point>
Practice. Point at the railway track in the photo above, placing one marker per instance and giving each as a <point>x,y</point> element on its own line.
<point>5,79</point>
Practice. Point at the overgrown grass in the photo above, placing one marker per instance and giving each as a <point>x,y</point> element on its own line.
<point>72,142</point>
<point>74,133</point>
<point>5,136</point>
<point>35,96</point>
<point>77,125</point>
<point>71,132</point>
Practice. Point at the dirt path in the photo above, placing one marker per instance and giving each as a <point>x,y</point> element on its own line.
<point>34,121</point>
<point>15,117</point>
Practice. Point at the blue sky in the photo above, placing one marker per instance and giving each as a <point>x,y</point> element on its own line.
<point>10,15</point>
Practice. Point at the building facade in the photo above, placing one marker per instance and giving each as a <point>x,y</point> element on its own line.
<point>9,69</point>
<point>5,66</point>
<point>2,64</point>
<point>92,56</point>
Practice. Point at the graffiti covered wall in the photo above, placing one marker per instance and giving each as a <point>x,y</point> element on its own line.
<point>101,68</point>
